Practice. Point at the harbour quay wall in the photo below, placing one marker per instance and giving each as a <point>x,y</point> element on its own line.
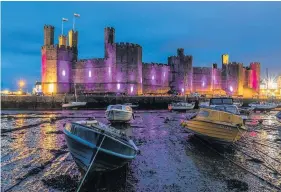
<point>28,102</point>
<point>93,102</point>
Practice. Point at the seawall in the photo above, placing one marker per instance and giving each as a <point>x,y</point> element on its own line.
<point>93,102</point>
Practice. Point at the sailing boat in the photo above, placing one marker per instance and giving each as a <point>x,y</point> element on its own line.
<point>74,104</point>
<point>181,106</point>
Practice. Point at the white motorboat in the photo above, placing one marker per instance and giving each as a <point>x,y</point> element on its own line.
<point>119,113</point>
<point>181,106</point>
<point>74,104</point>
<point>257,106</point>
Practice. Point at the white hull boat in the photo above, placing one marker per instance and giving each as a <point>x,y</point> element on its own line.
<point>119,113</point>
<point>181,106</point>
<point>263,106</point>
<point>74,105</point>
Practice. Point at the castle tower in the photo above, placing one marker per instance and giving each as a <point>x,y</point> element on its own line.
<point>224,75</point>
<point>225,59</point>
<point>109,40</point>
<point>49,35</point>
<point>62,40</point>
<point>56,64</point>
<point>256,68</point>
<point>181,72</point>
<point>73,43</point>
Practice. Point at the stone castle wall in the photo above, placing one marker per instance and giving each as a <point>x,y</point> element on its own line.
<point>123,71</point>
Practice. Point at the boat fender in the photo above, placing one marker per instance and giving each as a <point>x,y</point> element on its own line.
<point>133,144</point>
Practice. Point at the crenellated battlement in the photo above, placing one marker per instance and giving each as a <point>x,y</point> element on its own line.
<point>127,45</point>
<point>156,64</point>
<point>49,26</point>
<point>58,48</point>
<point>109,28</point>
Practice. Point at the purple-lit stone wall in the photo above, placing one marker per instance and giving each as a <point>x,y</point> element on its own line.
<point>128,68</point>
<point>235,78</point>
<point>64,69</point>
<point>202,79</point>
<point>155,78</point>
<point>217,85</point>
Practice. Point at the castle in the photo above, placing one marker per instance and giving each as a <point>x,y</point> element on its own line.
<point>122,70</point>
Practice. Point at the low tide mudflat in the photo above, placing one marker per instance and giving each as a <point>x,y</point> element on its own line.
<point>34,156</point>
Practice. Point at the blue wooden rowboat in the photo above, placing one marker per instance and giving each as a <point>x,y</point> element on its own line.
<point>85,137</point>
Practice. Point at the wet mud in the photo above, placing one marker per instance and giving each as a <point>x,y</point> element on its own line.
<point>35,157</point>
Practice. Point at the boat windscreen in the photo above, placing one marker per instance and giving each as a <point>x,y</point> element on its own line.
<point>231,109</point>
<point>116,107</point>
<point>221,101</point>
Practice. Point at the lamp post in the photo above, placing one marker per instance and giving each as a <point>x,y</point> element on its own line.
<point>21,84</point>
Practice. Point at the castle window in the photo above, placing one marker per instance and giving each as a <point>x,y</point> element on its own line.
<point>90,73</point>
<point>63,72</point>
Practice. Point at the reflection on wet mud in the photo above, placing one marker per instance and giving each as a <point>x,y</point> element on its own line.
<point>34,155</point>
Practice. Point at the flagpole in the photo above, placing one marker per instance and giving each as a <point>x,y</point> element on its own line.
<point>62,27</point>
<point>73,22</point>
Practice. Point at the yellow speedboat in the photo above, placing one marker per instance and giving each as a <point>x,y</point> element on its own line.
<point>215,125</point>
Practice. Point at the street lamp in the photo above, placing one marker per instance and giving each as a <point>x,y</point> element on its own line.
<point>21,84</point>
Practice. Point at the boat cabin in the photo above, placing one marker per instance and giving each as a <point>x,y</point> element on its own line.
<point>221,101</point>
<point>228,108</point>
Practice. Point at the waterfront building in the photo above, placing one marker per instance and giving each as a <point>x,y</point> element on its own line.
<point>123,71</point>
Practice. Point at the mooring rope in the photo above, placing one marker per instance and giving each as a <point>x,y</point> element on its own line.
<point>82,182</point>
<point>237,164</point>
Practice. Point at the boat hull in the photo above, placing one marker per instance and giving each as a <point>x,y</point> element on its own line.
<point>74,105</point>
<point>112,154</point>
<point>180,108</point>
<point>262,107</point>
<point>118,116</point>
<point>215,132</point>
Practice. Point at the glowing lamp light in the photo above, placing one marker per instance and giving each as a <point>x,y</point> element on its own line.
<point>63,72</point>
<point>164,74</point>
<point>152,77</point>
<point>51,88</point>
<point>182,90</point>
<point>132,89</point>
<point>203,83</point>
<point>109,70</point>
<point>231,88</point>
<point>90,73</point>
<point>21,83</point>
<point>118,86</point>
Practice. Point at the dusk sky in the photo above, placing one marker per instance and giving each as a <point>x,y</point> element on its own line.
<point>247,31</point>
